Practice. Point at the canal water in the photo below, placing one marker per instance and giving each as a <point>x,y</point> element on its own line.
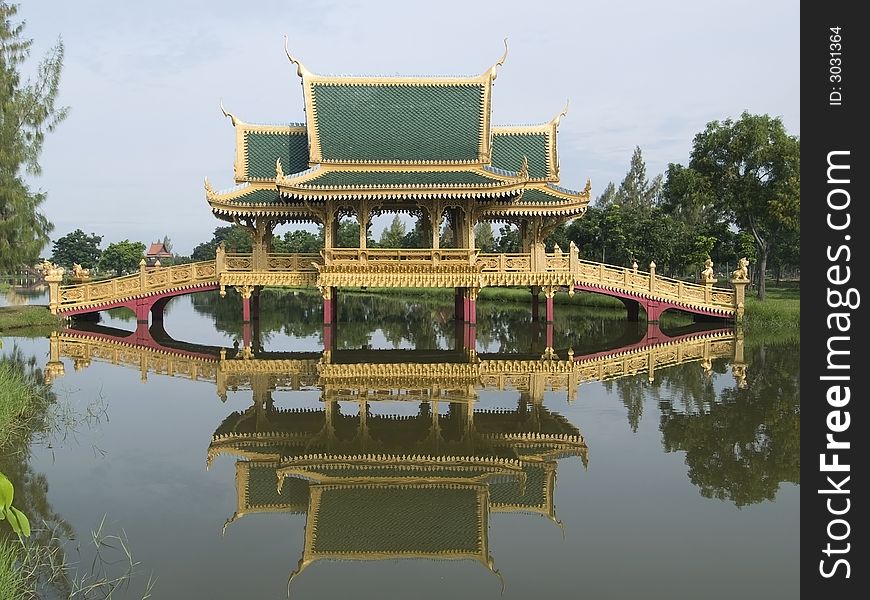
<point>404,463</point>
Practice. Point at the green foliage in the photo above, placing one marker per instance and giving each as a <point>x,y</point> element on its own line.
<point>348,233</point>
<point>12,585</point>
<point>393,236</point>
<point>607,197</point>
<point>483,238</point>
<point>636,191</point>
<point>508,239</point>
<point>17,519</point>
<point>753,168</point>
<point>122,257</point>
<point>27,113</point>
<point>299,241</point>
<point>742,441</point>
<point>27,316</point>
<point>77,247</point>
<point>234,237</point>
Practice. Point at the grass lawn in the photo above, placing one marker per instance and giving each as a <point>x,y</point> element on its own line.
<point>28,316</point>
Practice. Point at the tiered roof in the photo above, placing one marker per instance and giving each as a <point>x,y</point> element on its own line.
<point>394,139</point>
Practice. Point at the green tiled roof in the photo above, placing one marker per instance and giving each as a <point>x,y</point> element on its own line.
<point>397,179</point>
<point>508,152</point>
<point>397,520</point>
<point>263,490</point>
<point>542,196</point>
<point>365,122</point>
<point>258,196</point>
<point>512,493</point>
<point>263,148</point>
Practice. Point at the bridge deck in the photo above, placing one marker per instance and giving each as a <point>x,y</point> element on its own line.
<point>434,268</point>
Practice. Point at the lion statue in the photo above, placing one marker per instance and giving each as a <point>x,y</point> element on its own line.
<point>707,274</point>
<point>742,272</point>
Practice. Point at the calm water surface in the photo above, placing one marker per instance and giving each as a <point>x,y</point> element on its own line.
<point>488,474</point>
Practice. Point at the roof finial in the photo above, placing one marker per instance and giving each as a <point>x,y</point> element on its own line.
<point>279,172</point>
<point>564,112</point>
<point>493,71</point>
<point>301,71</point>
<point>587,191</point>
<point>523,173</point>
<point>208,189</point>
<point>228,114</point>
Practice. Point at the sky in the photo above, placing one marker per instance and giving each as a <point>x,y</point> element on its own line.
<point>144,82</point>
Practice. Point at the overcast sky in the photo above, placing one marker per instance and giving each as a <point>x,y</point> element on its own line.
<point>144,81</point>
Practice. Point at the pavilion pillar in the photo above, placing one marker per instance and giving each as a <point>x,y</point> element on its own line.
<point>246,291</point>
<point>550,335</point>
<point>328,312</point>
<point>536,297</point>
<point>246,336</point>
<point>469,337</point>
<point>471,305</point>
<point>330,228</point>
<point>459,304</point>
<point>363,218</point>
<point>436,211</point>
<point>550,292</point>
<point>329,337</point>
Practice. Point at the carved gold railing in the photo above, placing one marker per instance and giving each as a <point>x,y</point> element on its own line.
<point>237,262</point>
<point>650,284</point>
<point>149,280</point>
<point>380,267</point>
<point>398,255</point>
<point>356,380</point>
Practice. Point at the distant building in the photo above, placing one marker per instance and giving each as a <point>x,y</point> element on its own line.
<point>156,252</point>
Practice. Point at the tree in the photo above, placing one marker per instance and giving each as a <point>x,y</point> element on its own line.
<point>508,239</point>
<point>77,247</point>
<point>393,235</point>
<point>299,241</point>
<point>235,239</point>
<point>607,197</point>
<point>122,257</point>
<point>636,191</point>
<point>753,167</point>
<point>483,238</point>
<point>27,113</point>
<point>348,234</point>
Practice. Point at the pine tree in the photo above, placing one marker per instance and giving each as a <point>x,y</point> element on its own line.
<point>636,191</point>
<point>27,113</point>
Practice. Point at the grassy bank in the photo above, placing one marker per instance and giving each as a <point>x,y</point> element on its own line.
<point>780,310</point>
<point>16,319</point>
<point>12,585</point>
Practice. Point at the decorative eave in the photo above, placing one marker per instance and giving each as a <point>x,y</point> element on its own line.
<point>311,80</point>
<point>560,202</point>
<point>231,203</point>
<point>497,183</point>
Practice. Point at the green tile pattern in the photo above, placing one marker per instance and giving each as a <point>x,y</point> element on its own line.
<point>399,520</point>
<point>508,152</point>
<point>265,148</point>
<point>399,122</point>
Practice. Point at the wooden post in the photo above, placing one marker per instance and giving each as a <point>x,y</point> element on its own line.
<point>327,305</point>
<point>550,292</point>
<point>471,314</point>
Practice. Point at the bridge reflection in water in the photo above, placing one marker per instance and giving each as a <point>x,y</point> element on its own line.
<point>378,483</point>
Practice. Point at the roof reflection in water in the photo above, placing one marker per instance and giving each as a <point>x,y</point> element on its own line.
<point>376,483</point>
